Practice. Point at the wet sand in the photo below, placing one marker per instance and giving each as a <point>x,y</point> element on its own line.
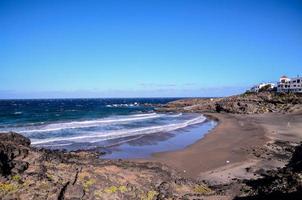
<point>224,153</point>
<point>144,146</point>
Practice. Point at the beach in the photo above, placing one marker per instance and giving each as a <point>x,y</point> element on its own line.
<point>238,143</point>
<point>241,149</point>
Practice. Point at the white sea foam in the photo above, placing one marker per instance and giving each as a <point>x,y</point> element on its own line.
<point>123,105</point>
<point>101,136</point>
<point>90,123</point>
<point>17,113</point>
<point>176,115</point>
<point>56,145</point>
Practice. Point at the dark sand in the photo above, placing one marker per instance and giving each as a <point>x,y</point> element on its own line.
<point>144,146</point>
<point>224,153</point>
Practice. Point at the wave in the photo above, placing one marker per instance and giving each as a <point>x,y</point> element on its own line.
<point>17,113</point>
<point>90,123</point>
<point>176,115</point>
<point>102,136</point>
<point>123,105</point>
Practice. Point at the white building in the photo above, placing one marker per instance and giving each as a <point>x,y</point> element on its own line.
<point>286,84</point>
<point>256,88</point>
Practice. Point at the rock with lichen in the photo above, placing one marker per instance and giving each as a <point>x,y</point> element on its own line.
<point>30,173</point>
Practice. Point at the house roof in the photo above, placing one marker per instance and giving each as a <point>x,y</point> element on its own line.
<point>283,76</point>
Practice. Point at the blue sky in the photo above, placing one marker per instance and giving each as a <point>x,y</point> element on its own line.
<point>110,48</point>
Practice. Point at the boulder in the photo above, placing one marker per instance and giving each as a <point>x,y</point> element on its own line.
<point>12,147</point>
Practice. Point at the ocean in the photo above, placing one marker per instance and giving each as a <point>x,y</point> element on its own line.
<point>75,124</point>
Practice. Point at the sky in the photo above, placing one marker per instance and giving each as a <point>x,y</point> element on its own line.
<point>150,48</point>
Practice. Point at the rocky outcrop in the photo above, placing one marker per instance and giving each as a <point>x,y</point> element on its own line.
<point>29,173</point>
<point>247,103</point>
<point>285,183</point>
<point>13,149</point>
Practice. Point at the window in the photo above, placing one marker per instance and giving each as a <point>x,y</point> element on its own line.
<point>298,81</point>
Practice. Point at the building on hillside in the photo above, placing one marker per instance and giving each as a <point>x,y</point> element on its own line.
<point>286,84</point>
<point>257,88</point>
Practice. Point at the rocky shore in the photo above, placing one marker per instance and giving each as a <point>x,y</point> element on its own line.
<point>254,153</point>
<point>29,173</point>
<point>247,103</point>
<point>283,183</point>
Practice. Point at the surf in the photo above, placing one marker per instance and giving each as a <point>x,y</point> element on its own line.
<point>92,137</point>
<point>90,123</point>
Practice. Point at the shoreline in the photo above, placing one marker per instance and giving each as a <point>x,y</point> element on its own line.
<point>226,151</point>
<point>145,146</point>
<point>250,153</point>
<point>209,153</point>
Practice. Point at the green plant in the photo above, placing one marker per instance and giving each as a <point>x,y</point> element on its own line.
<point>7,187</point>
<point>202,189</point>
<point>122,188</point>
<point>88,183</point>
<point>111,189</point>
<point>16,177</point>
<point>150,195</point>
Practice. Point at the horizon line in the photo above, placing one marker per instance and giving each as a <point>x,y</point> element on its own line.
<point>62,98</point>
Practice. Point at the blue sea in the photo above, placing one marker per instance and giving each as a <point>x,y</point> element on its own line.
<point>120,126</point>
